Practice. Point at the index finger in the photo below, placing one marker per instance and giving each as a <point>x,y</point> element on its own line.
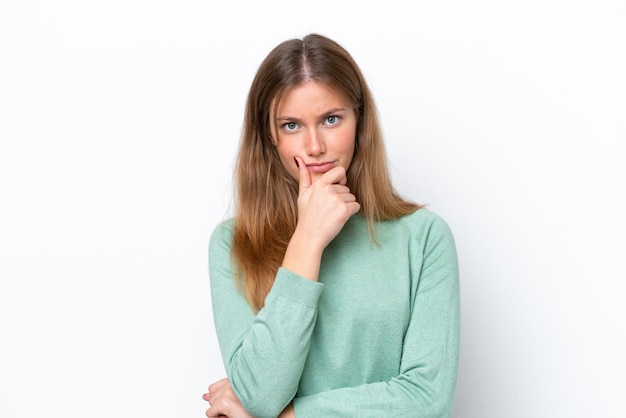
<point>304,175</point>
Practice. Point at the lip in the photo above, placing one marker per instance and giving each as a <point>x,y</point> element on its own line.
<point>320,167</point>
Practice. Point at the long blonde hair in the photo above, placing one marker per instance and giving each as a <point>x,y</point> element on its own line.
<point>265,202</point>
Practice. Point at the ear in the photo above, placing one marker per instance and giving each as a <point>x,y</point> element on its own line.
<point>272,140</point>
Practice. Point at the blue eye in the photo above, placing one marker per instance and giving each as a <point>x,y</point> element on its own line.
<point>332,120</point>
<point>290,126</point>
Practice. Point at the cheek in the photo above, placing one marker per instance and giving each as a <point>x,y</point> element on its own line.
<point>284,153</point>
<point>348,144</point>
<point>286,158</point>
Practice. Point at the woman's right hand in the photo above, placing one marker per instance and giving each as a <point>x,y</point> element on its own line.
<point>324,207</point>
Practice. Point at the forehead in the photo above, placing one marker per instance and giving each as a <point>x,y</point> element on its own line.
<point>310,96</point>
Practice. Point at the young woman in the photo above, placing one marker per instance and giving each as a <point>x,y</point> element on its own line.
<point>332,295</point>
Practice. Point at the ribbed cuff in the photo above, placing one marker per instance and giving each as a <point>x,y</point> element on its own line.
<point>297,288</point>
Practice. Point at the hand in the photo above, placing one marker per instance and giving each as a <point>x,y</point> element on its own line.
<point>325,205</point>
<point>223,401</point>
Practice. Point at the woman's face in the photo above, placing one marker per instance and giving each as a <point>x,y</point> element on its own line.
<point>316,124</point>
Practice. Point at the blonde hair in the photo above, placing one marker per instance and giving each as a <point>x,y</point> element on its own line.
<point>265,202</point>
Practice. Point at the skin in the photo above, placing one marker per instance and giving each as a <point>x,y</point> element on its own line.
<point>315,139</point>
<point>316,129</point>
<point>224,402</point>
<point>316,124</point>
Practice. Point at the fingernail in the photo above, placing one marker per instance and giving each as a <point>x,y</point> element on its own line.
<point>296,160</point>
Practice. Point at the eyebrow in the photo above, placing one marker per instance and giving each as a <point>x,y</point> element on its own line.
<point>322,116</point>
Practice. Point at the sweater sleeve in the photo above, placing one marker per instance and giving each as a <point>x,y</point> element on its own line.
<point>426,383</point>
<point>263,354</point>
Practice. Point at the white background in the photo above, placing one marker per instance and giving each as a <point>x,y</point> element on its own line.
<point>119,122</point>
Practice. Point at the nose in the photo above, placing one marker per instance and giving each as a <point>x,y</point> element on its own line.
<point>315,144</point>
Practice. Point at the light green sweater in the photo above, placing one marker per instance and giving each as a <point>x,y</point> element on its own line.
<point>377,336</point>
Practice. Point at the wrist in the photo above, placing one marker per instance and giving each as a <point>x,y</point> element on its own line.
<point>309,239</point>
<point>303,256</point>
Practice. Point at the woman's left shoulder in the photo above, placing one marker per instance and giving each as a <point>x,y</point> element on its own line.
<point>427,228</point>
<point>423,220</point>
<point>430,232</point>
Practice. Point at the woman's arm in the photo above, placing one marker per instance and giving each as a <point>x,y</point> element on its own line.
<point>263,354</point>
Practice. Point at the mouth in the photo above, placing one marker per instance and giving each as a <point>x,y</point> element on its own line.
<point>320,167</point>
